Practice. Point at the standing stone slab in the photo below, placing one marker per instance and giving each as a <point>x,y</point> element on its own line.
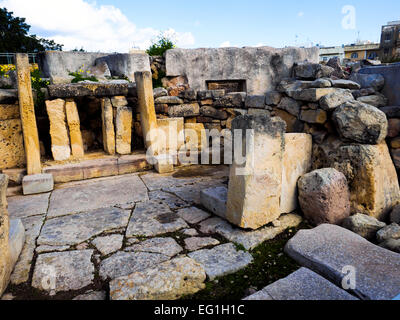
<point>221,260</point>
<point>296,162</point>
<point>37,183</point>
<point>255,186</point>
<point>74,126</point>
<point>302,285</point>
<point>12,152</point>
<point>331,250</point>
<point>60,146</point>
<point>214,200</point>
<point>168,281</point>
<point>123,128</point>
<point>63,271</point>
<point>107,117</point>
<point>27,112</point>
<point>77,228</point>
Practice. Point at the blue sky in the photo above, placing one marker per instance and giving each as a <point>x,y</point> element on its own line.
<point>117,25</point>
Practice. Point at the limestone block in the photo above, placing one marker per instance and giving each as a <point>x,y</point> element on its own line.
<point>311,95</point>
<point>12,153</point>
<point>214,199</point>
<point>4,233</point>
<point>255,184</point>
<point>169,138</point>
<point>37,183</point>
<point>108,126</point>
<point>163,163</point>
<point>9,111</point>
<point>27,112</point>
<point>74,128</point>
<point>296,162</point>
<point>60,146</point>
<point>16,240</point>
<point>372,177</point>
<point>195,136</point>
<point>119,101</point>
<point>123,129</point>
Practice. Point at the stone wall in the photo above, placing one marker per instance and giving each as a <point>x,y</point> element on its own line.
<point>262,68</point>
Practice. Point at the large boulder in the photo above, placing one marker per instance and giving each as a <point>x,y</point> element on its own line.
<point>324,196</point>
<point>375,81</point>
<point>336,98</point>
<point>359,122</point>
<point>308,70</point>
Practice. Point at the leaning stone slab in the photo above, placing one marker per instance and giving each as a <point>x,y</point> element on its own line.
<point>168,281</point>
<point>303,285</point>
<point>214,200</point>
<point>221,260</point>
<point>63,271</point>
<point>332,251</point>
<point>255,184</point>
<point>74,90</point>
<point>37,183</point>
<point>74,126</point>
<point>16,240</point>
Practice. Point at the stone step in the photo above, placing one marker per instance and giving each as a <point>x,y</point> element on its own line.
<point>303,284</point>
<point>373,273</point>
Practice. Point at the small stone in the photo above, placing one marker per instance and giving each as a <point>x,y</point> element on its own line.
<point>374,100</point>
<point>168,100</point>
<point>391,244</point>
<point>229,101</point>
<point>214,200</point>
<point>257,102</point>
<point>211,112</point>
<point>314,116</point>
<point>189,94</point>
<point>290,105</point>
<point>221,260</point>
<point>321,83</point>
<point>395,215</point>
<point>193,215</point>
<point>165,246</point>
<point>108,244</point>
<point>345,84</point>
<point>273,98</point>
<point>159,92</point>
<point>184,110</point>
<point>363,225</point>
<point>190,232</point>
<point>92,296</point>
<point>194,243</point>
<point>37,183</point>
<point>310,95</point>
<point>389,232</point>
<point>167,281</point>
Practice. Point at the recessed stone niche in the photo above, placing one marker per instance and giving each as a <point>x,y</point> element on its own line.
<point>227,85</point>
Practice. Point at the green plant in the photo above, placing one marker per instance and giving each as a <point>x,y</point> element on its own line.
<point>160,45</point>
<point>37,84</point>
<point>81,75</point>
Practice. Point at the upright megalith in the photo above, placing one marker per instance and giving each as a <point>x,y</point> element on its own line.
<point>256,174</point>
<point>123,127</point>
<point>107,118</point>
<point>4,230</point>
<point>60,146</point>
<point>74,126</point>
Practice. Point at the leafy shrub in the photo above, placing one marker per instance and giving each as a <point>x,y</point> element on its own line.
<point>160,45</point>
<point>81,75</point>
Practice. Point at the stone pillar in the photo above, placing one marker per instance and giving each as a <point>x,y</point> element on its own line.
<point>147,110</point>
<point>255,185</point>
<point>27,112</point>
<point>60,145</point>
<point>74,126</point>
<point>4,231</point>
<point>123,124</point>
<point>108,126</point>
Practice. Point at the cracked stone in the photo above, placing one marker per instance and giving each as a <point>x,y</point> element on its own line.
<point>165,246</point>
<point>193,215</point>
<point>108,244</point>
<point>26,206</point>
<point>171,200</point>
<point>195,243</point>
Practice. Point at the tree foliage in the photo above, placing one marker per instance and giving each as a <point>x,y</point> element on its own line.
<point>14,33</point>
<point>160,45</point>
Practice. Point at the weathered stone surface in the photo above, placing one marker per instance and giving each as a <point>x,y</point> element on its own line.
<point>9,111</point>
<point>92,296</point>
<point>122,264</point>
<point>12,152</point>
<point>95,194</point>
<point>74,127</point>
<point>221,260</point>
<point>193,215</point>
<point>153,218</point>
<point>395,215</point>
<point>16,241</point>
<point>293,124</point>
<point>255,101</point>
<point>37,183</point>
<point>324,196</point>
<point>47,249</point>
<point>168,100</point>
<point>375,81</point>
<point>328,249</point>
<point>310,95</point>
<point>374,100</point>
<point>63,271</point>
<point>365,226</point>
<point>372,178</point>
<point>273,98</point>
<point>314,116</point>
<point>214,200</point>
<point>296,162</point>
<point>391,244</point>
<point>168,281</point>
<point>60,146</point>
<point>195,136</point>
<point>107,118</point>
<point>108,244</point>
<point>159,92</point>
<point>321,83</point>
<point>264,67</point>
<point>184,110</point>
<point>302,285</point>
<point>389,232</point>
<point>74,229</point>
<point>195,243</point>
<point>171,200</point>
<point>190,232</point>
<point>166,246</point>
<point>345,84</point>
<point>359,122</point>
<point>123,129</point>
<point>291,84</point>
<point>172,136</point>
<point>335,99</point>
<point>5,265</point>
<point>290,105</point>
<point>95,89</point>
<point>119,101</point>
<point>255,185</point>
<point>309,70</point>
<point>8,96</point>
<point>208,111</point>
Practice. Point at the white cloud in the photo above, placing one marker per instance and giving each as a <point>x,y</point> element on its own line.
<point>78,23</point>
<point>225,44</point>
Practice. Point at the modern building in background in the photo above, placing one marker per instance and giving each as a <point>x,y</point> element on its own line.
<point>390,41</point>
<point>362,51</point>
<point>327,53</point>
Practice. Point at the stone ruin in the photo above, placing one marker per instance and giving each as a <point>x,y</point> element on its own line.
<point>323,143</point>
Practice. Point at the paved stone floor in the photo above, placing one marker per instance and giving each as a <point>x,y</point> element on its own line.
<point>85,234</point>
